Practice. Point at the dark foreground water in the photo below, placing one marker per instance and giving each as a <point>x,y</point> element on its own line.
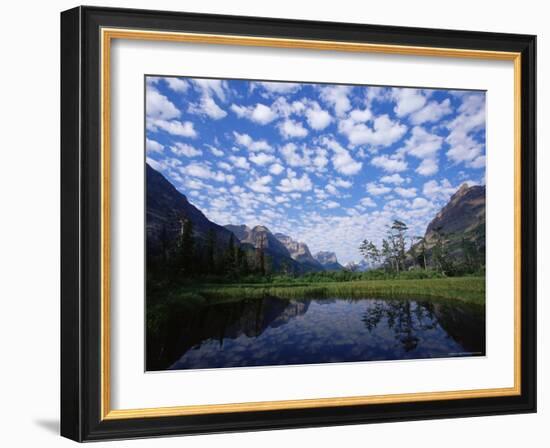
<point>274,331</point>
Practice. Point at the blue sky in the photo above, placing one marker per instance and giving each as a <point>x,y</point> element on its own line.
<point>327,164</point>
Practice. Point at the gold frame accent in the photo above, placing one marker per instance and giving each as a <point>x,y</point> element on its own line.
<point>107,35</point>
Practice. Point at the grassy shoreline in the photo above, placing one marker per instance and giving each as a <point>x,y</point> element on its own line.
<point>466,289</point>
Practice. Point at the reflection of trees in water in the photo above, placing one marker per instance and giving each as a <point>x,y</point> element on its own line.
<point>186,330</point>
<point>407,319</point>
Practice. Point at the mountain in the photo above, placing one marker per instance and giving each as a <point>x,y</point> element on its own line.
<point>361,266</point>
<point>328,260</point>
<point>462,217</point>
<point>260,236</point>
<point>299,252</point>
<point>167,208</point>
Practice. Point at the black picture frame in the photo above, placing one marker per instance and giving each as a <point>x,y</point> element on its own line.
<point>81,224</point>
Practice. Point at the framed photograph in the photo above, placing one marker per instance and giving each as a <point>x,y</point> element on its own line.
<point>273,223</point>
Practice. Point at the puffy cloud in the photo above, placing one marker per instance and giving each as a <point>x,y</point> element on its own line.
<point>464,147</point>
<point>239,162</point>
<point>294,183</point>
<point>432,112</point>
<point>290,128</point>
<point>280,87</point>
<point>421,203</point>
<point>428,167</point>
<point>252,145</point>
<point>407,101</point>
<point>331,204</point>
<point>425,146</point>
<point>183,149</point>
<point>260,113</point>
<point>377,189</point>
<point>217,152</point>
<point>383,131</point>
<point>177,84</point>
<point>367,202</point>
<point>276,169</point>
<point>337,97</point>
<point>207,107</point>
<point>294,157</point>
<point>173,127</point>
<point>261,158</point>
<point>393,179</point>
<point>318,118</point>
<point>202,171</point>
<point>390,164</point>
<point>260,184</point>
<point>211,87</point>
<point>438,190</point>
<point>153,146</point>
<point>159,107</point>
<point>341,158</point>
<point>405,192</point>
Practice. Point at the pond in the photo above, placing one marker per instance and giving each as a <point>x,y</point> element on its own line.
<point>275,331</point>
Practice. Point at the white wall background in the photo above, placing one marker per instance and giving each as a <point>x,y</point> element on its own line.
<point>29,228</point>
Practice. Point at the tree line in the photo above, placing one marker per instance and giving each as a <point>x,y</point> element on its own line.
<point>449,254</point>
<point>187,257</point>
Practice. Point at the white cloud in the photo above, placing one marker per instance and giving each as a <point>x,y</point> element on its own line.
<point>360,116</point>
<point>294,157</point>
<point>239,162</point>
<point>158,107</point>
<point>177,84</point>
<point>290,128</point>
<point>153,146</point>
<point>423,144</point>
<point>390,164</point>
<point>341,158</point>
<point>377,189</point>
<point>202,171</point>
<point>252,145</point>
<point>383,132</point>
<point>405,192</point>
<point>337,97</point>
<point>174,127</point>
<point>331,204</point>
<point>261,158</point>
<point>260,113</point>
<point>478,162</point>
<point>276,169</point>
<point>280,87</point>
<point>420,203</point>
<point>207,107</point>
<point>432,112</point>
<point>393,179</point>
<point>341,183</point>
<point>318,118</point>
<point>217,152</point>
<point>367,202</point>
<point>464,147</point>
<point>211,87</point>
<point>407,101</point>
<point>428,167</point>
<point>183,149</point>
<point>293,183</point>
<point>260,184</point>
<point>225,166</point>
<point>438,190</point>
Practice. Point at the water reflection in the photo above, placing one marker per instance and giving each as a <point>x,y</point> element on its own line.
<point>274,331</point>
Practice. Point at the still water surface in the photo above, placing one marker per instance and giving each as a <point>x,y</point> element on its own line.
<point>274,331</point>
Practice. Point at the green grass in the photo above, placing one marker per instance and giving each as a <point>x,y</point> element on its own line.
<point>467,289</point>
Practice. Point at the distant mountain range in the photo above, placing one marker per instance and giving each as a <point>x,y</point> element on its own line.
<point>463,217</point>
